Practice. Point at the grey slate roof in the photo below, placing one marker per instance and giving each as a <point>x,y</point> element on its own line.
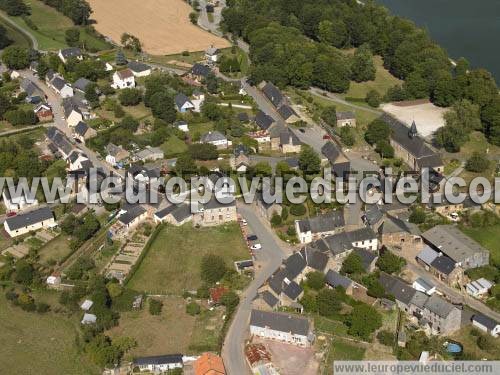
<point>419,299</point>
<point>273,94</point>
<point>81,128</point>
<point>294,265</point>
<point>69,106</point>
<point>453,242</point>
<point>396,225</point>
<point>367,257</point>
<point>439,306</point>
<point>292,290</point>
<point>212,136</point>
<point>485,321</point>
<point>30,88</point>
<point>276,280</point>
<point>137,66</point>
<point>345,115</point>
<point>243,117</point>
<point>58,83</point>
<point>29,218</point>
<point>200,70</point>
<point>81,84</point>
<point>131,214</point>
<point>331,152</point>
<point>286,111</point>
<point>427,255</point>
<point>288,137</point>
<point>59,140</point>
<point>263,120</point>
<point>323,223</point>
<point>373,214</point>
<point>181,99</point>
<point>443,264</point>
<point>334,279</point>
<point>71,52</point>
<point>341,242</point>
<point>179,212</point>
<point>280,322</point>
<point>314,258</point>
<point>269,298</point>
<point>158,360</point>
<point>397,287</point>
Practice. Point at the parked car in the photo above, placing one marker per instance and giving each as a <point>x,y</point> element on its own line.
<point>257,246</point>
<point>326,136</point>
<point>252,237</point>
<point>302,130</point>
<point>11,213</point>
<point>244,222</point>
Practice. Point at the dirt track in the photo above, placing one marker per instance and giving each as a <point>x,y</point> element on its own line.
<point>162,26</point>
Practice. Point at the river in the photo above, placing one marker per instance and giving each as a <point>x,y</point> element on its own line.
<point>463,27</point>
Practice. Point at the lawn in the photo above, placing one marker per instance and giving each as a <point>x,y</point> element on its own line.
<point>39,344</point>
<point>489,237</point>
<point>15,35</point>
<point>173,146</point>
<point>172,264</point>
<point>341,350</point>
<point>465,337</point>
<point>55,250</point>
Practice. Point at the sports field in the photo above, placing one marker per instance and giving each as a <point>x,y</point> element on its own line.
<point>162,26</point>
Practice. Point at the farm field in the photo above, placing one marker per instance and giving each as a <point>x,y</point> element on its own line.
<point>163,27</point>
<point>41,344</point>
<point>172,264</point>
<point>489,237</point>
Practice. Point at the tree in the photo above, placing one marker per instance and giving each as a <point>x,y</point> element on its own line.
<point>14,7</point>
<point>72,36</point>
<point>213,268</point>
<point>131,42</point>
<point>297,209</point>
<point>4,104</point>
<point>230,300</point>
<point>4,38</point>
<point>193,17</point>
<point>347,136</point>
<point>130,96</point>
<point>352,264</point>
<point>477,163</point>
<point>120,59</point>
<point>276,220</point>
<point>315,280</point>
<point>309,160</point>
<point>331,73</point>
<point>385,149</point>
<point>386,338</point>
<point>185,165</point>
<point>332,32</point>
<point>24,272</point>
<point>203,151</point>
<point>390,263</point>
<point>363,321</point>
<point>193,308</point>
<point>162,106</point>
<point>327,302</point>
<point>362,67</point>
<point>417,216</point>
<point>91,94</point>
<point>212,83</point>
<point>16,57</point>
<point>155,306</point>
<point>329,115</point>
<point>377,131</point>
<point>373,98</point>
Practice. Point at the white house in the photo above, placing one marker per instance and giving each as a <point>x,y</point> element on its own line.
<point>212,54</point>
<point>53,280</point>
<point>72,113</point>
<point>486,324</point>
<point>319,226</point>
<point>76,160</point>
<point>123,79</point>
<point>149,154</point>
<point>281,327</point>
<point>72,52</point>
<point>61,87</point>
<point>115,154</point>
<point>198,100</point>
<point>86,305</point>
<point>159,363</point>
<point>215,138</point>
<point>29,221</point>
<point>183,104</point>
<point>182,126</point>
<point>17,201</point>
<point>139,69</point>
<point>424,286</point>
<point>478,287</point>
<point>108,67</point>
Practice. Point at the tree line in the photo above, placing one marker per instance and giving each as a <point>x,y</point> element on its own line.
<point>298,43</point>
<point>77,10</point>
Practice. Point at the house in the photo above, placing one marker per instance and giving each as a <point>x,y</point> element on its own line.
<point>76,160</point>
<point>182,126</point>
<point>339,163</point>
<point>15,201</point>
<point>34,94</point>
<point>30,221</point>
<point>83,132</point>
<point>123,79</point>
<point>342,244</point>
<point>149,154</point>
<point>239,160</point>
<point>174,214</point>
<point>60,141</point>
<point>68,53</point>
<point>335,279</point>
<point>442,266</point>
<point>81,84</point>
<point>43,112</point>
<point>215,213</point>
<point>139,69</point>
<point>267,209</point>
<point>452,242</point>
<point>72,113</point>
<point>115,154</point>
<point>108,67</point>
<point>346,119</point>
<point>131,216</point>
<point>89,319</point>
<point>424,286</point>
<point>209,364</point>
<point>479,287</point>
<point>289,143</point>
<point>281,327</point>
<point>311,229</point>
<point>410,147</point>
<point>61,87</point>
<point>486,324</point>
<point>445,207</point>
<point>198,99</point>
<point>398,232</point>
<point>263,121</point>
<point>182,103</point>
<point>212,54</point>
<point>200,71</point>
<point>273,94</point>
<point>288,114</point>
<point>158,363</point>
<point>86,305</point>
<point>243,117</point>
<point>368,259</point>
<point>215,138</point>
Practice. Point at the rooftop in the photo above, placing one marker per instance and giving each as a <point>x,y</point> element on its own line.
<point>280,322</point>
<point>29,218</point>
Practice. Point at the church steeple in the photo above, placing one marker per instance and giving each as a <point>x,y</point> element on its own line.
<point>413,130</point>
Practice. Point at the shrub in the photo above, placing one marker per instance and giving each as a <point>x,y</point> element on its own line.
<point>155,306</point>
<point>373,98</point>
<point>297,209</point>
<point>478,163</point>
<point>276,220</point>
<point>385,338</point>
<point>193,308</point>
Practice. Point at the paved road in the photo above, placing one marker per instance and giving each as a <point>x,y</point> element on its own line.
<point>271,255</point>
<point>33,41</point>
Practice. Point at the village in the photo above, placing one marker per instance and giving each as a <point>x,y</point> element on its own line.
<point>234,288</point>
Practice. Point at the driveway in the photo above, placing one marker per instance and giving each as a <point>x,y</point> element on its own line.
<point>270,257</point>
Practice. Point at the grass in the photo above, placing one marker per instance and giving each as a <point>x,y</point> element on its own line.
<point>205,336</point>
<point>341,350</point>
<point>328,326</point>
<point>51,27</point>
<point>15,35</point>
<point>172,264</point>
<point>382,82</point>
<point>173,146</point>
<point>468,340</point>
<point>55,250</point>
<point>489,237</point>
<point>41,344</point>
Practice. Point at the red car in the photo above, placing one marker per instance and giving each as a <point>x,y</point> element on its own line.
<point>11,213</point>
<point>326,136</point>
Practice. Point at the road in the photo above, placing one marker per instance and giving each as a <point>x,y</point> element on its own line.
<point>272,254</point>
<point>332,97</point>
<point>33,41</point>
<point>203,21</point>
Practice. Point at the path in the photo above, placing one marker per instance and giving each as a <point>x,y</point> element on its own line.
<point>33,41</point>
<point>23,129</point>
<point>270,256</point>
<point>334,98</point>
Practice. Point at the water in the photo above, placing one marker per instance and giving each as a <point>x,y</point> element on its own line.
<point>463,27</point>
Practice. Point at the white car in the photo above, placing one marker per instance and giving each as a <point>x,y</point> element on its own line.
<point>257,246</point>
<point>244,222</point>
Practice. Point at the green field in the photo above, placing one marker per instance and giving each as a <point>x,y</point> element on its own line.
<point>51,27</point>
<point>489,237</point>
<point>15,35</point>
<point>173,146</point>
<point>55,250</point>
<point>172,264</point>
<point>341,350</point>
<point>38,344</point>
